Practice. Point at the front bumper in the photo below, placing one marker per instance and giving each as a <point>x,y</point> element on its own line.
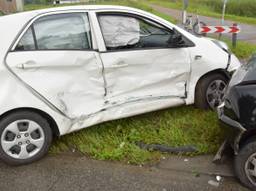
<point>234,132</point>
<point>233,63</point>
<point>227,120</point>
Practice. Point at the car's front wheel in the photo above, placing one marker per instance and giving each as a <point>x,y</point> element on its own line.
<point>210,91</point>
<point>25,137</point>
<point>245,165</point>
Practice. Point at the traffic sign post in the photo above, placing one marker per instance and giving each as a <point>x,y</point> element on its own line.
<point>234,36</point>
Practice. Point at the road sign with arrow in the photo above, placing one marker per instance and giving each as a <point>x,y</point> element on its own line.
<point>220,29</point>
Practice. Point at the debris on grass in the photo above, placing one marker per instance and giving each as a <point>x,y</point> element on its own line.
<point>167,149</point>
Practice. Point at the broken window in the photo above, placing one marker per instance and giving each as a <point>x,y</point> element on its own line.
<point>128,32</point>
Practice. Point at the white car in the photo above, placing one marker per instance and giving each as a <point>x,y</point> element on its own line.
<point>64,69</point>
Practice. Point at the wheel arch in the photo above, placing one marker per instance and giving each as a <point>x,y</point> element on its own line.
<point>217,71</point>
<point>50,120</point>
<point>196,82</point>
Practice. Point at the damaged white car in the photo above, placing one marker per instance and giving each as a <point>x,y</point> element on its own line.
<point>64,69</point>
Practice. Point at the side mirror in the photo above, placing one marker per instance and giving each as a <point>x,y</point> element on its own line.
<point>176,40</point>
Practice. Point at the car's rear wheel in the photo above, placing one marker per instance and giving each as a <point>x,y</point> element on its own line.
<point>210,91</point>
<point>25,137</point>
<point>245,165</point>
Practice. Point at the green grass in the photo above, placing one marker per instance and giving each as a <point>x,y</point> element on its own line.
<point>208,8</point>
<point>243,50</point>
<point>116,140</point>
<point>244,8</point>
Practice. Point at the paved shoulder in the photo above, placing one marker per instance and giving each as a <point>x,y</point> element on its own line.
<point>80,173</point>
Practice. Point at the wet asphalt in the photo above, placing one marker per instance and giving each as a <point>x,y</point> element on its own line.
<point>71,172</point>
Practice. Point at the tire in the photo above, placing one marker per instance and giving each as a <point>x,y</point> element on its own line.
<point>29,133</point>
<point>240,163</point>
<point>201,100</point>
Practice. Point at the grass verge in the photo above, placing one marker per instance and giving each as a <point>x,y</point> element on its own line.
<point>243,50</point>
<point>116,140</point>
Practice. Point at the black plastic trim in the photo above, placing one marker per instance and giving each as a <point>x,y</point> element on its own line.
<point>34,36</point>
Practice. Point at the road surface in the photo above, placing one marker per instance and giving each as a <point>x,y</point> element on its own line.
<point>69,172</point>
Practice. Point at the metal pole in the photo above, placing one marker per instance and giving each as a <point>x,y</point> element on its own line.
<point>19,5</point>
<point>234,37</point>
<point>184,12</point>
<point>223,15</point>
<point>223,12</point>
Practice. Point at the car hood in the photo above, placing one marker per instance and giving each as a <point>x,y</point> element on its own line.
<point>246,74</point>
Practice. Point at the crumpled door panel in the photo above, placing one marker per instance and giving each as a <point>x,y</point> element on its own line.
<point>132,75</point>
<point>70,80</point>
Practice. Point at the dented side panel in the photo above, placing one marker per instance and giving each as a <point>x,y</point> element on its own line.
<point>126,109</point>
<point>132,75</point>
<point>14,95</point>
<point>71,80</point>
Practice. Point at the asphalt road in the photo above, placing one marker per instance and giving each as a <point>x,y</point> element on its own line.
<point>68,172</point>
<point>248,32</point>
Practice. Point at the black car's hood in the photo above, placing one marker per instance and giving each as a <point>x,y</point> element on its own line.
<point>245,74</point>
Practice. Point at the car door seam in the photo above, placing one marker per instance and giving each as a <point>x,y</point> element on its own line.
<point>103,74</point>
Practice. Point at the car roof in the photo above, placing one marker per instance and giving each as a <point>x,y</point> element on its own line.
<point>87,7</point>
<point>77,7</point>
<point>27,15</point>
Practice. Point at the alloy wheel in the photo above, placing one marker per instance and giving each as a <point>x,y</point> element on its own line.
<point>215,93</point>
<point>22,139</point>
<point>250,169</point>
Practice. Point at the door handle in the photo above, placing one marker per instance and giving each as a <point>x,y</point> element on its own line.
<point>198,57</point>
<point>26,65</point>
<point>119,65</point>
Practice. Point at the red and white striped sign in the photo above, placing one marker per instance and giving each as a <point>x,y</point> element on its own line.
<point>219,29</point>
